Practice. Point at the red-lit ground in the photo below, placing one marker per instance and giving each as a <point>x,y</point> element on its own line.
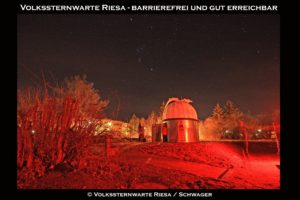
<point>206,165</point>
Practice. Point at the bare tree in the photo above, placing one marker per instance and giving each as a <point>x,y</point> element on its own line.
<point>55,125</point>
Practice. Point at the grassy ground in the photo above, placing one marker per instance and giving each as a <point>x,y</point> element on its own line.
<point>208,165</point>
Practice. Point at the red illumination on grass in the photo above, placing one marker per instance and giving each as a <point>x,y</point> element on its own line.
<point>205,165</point>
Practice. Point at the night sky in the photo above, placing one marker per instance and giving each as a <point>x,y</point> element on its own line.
<point>146,59</point>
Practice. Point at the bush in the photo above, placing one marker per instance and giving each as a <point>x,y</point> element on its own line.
<point>56,128</point>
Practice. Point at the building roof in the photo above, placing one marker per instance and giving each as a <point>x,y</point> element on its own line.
<point>179,108</point>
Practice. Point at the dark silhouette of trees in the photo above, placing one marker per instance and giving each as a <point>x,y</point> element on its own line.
<point>232,115</point>
<point>222,119</point>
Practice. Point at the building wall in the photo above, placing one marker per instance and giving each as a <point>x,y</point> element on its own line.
<point>182,130</point>
<point>156,133</point>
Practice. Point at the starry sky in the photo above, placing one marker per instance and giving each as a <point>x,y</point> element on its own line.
<point>145,59</point>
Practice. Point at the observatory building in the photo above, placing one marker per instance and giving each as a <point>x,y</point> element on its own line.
<point>180,120</point>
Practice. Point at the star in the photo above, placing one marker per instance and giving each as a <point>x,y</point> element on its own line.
<point>139,50</point>
<point>151,69</point>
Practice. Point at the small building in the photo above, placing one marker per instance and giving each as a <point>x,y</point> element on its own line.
<point>181,120</point>
<point>156,133</point>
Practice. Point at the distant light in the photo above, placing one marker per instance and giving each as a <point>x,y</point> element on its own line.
<point>108,129</point>
<point>109,123</point>
<point>227,131</point>
<point>258,130</point>
<point>90,122</point>
<point>32,131</point>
